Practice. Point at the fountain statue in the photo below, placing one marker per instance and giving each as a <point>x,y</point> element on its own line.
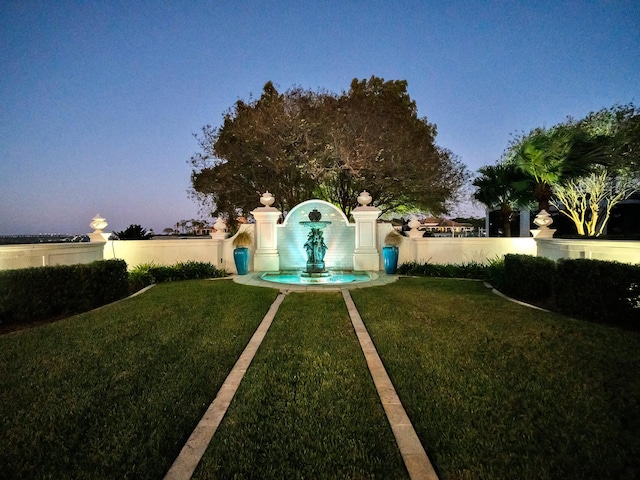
<point>315,246</point>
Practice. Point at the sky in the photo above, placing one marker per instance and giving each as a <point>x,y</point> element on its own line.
<point>99,100</point>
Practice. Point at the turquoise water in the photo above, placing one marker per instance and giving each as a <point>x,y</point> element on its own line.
<point>334,278</point>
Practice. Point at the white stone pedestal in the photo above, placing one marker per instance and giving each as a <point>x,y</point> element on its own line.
<point>266,257</point>
<point>365,254</point>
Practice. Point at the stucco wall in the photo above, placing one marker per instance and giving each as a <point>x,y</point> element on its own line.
<point>45,254</point>
<point>340,239</point>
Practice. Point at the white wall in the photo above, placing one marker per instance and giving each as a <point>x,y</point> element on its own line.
<point>45,254</point>
<point>619,250</point>
<point>164,252</point>
<point>220,252</point>
<point>465,250</point>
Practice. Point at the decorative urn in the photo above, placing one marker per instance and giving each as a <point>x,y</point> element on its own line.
<point>98,223</point>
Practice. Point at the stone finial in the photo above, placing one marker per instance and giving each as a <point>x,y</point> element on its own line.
<point>98,223</point>
<point>220,226</point>
<point>543,220</point>
<point>413,224</point>
<point>267,199</point>
<point>364,198</point>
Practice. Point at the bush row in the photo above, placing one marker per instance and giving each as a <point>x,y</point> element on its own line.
<point>606,292</point>
<point>32,294</point>
<point>149,273</point>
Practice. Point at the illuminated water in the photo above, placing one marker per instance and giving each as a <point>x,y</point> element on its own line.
<point>297,278</point>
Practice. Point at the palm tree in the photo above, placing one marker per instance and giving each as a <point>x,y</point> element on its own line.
<point>549,157</point>
<point>496,189</point>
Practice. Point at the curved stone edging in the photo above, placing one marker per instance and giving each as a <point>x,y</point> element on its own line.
<point>253,278</point>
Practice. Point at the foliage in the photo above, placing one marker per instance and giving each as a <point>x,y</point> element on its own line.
<point>529,278</point>
<point>40,293</point>
<point>551,156</point>
<point>607,292</point>
<point>393,238</point>
<point>496,188</point>
<point>304,144</point>
<point>588,200</point>
<point>114,393</point>
<point>149,273</point>
<point>243,239</point>
<point>134,232</point>
<point>473,270</point>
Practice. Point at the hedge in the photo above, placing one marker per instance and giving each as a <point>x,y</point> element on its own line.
<point>606,292</point>
<point>32,294</point>
<point>529,278</point>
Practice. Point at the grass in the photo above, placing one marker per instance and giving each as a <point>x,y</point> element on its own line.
<point>495,390</point>
<point>115,393</point>
<point>307,407</point>
<point>500,391</point>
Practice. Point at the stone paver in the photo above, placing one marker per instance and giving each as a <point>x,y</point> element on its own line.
<point>411,450</point>
<point>413,453</point>
<point>190,455</point>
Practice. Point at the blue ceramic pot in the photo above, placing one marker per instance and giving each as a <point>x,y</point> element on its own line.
<point>241,258</point>
<point>390,258</point>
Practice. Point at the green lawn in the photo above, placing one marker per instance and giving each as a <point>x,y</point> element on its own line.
<point>307,407</point>
<point>495,390</point>
<point>115,393</point>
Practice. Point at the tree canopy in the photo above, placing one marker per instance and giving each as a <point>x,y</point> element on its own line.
<point>583,167</point>
<point>304,144</point>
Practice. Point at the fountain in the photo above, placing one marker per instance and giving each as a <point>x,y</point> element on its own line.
<point>294,251</point>
<point>315,246</point>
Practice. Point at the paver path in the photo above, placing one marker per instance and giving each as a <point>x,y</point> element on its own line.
<point>412,451</point>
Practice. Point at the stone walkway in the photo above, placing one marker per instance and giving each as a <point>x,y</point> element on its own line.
<point>411,450</point>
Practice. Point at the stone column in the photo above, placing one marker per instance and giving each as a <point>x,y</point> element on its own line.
<point>218,237</point>
<point>366,255</point>
<point>266,257</point>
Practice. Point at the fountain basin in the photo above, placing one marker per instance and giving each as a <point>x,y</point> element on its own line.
<point>330,278</point>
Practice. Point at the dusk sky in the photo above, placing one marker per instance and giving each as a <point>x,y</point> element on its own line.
<point>99,100</point>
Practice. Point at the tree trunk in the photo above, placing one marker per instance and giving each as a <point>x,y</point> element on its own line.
<point>542,193</point>
<point>505,213</point>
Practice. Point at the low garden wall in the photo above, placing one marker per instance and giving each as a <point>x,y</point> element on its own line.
<point>624,251</point>
<point>48,254</point>
<point>219,252</point>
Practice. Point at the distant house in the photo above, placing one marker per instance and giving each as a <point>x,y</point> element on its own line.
<point>443,227</point>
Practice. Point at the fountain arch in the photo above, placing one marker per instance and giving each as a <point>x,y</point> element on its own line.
<point>339,237</point>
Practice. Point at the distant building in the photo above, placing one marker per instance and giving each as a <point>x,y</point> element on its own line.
<point>443,227</point>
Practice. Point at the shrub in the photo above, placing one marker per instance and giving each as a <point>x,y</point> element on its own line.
<point>495,274</point>
<point>529,278</point>
<point>40,293</point>
<point>607,292</point>
<point>148,273</point>
<point>465,270</point>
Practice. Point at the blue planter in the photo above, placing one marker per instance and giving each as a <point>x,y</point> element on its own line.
<point>390,258</point>
<point>241,258</point>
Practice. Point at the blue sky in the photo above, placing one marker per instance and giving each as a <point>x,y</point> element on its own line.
<point>99,99</point>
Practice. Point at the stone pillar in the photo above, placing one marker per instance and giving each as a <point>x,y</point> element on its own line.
<point>366,255</point>
<point>219,236</point>
<point>266,257</point>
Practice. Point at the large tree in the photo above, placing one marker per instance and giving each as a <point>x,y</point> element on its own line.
<point>262,145</point>
<point>304,144</point>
